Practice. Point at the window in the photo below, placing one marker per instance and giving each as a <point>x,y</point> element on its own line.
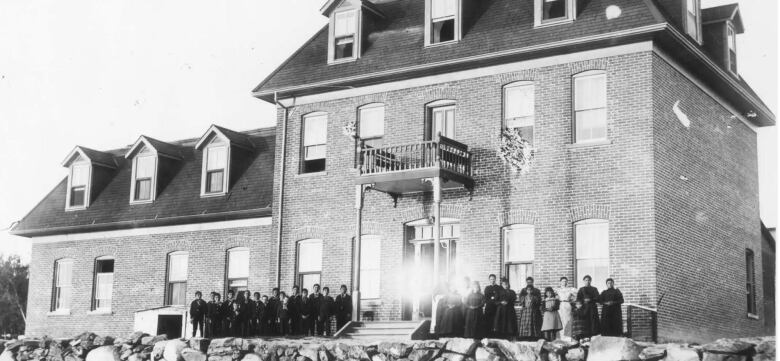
<point>750,270</point>
<point>590,106</point>
<point>519,108</point>
<point>177,279</point>
<point>370,250</point>
<point>732,41</point>
<point>443,21</point>
<point>550,12</point>
<point>63,285</point>
<point>692,18</point>
<point>591,239</point>
<point>443,121</point>
<point>144,170</point>
<point>104,284</point>
<point>519,253</point>
<point>238,269</point>
<point>315,136</point>
<point>216,166</point>
<point>371,126</point>
<point>309,262</point>
<point>79,179</point>
<point>344,34</point>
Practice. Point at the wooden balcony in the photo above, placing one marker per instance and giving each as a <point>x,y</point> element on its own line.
<point>408,168</point>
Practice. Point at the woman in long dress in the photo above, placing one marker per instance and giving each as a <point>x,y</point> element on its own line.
<point>452,320</point>
<point>589,314</point>
<point>530,300</point>
<point>551,320</point>
<point>505,319</point>
<point>566,295</point>
<point>473,312</point>
<point>611,312</point>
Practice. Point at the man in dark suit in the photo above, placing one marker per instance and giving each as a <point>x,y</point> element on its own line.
<point>211,315</point>
<point>324,312</point>
<point>257,320</point>
<point>343,308</point>
<point>491,301</point>
<point>307,314</point>
<point>198,309</point>
<point>227,314</point>
<point>293,311</point>
<point>273,310</point>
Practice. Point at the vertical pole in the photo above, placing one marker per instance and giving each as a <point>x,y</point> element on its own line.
<point>416,300</point>
<point>436,228</point>
<point>356,256</point>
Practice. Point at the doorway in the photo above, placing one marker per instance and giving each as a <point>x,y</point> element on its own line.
<point>169,325</point>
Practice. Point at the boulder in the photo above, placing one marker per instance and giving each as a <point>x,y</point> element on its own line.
<point>517,351</point>
<point>463,346</point>
<point>428,344</point>
<point>453,356</point>
<point>358,353</point>
<point>157,351</point>
<point>380,357</point>
<point>729,346</point>
<point>653,353</point>
<point>395,349</point>
<point>103,341</point>
<point>172,351</point>
<point>325,355</point>
<point>309,351</point>
<point>560,346</point>
<point>190,354</point>
<point>605,348</point>
<point>424,354</point>
<point>200,344</point>
<point>86,340</point>
<point>135,337</point>
<point>709,356</point>
<point>7,355</point>
<point>489,354</point>
<point>251,357</point>
<point>291,351</point>
<point>680,353</point>
<point>103,353</point>
<point>575,354</point>
<point>765,350</point>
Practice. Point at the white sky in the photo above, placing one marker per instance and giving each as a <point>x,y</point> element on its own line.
<point>101,73</point>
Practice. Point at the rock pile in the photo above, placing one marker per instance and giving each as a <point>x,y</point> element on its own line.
<point>142,347</point>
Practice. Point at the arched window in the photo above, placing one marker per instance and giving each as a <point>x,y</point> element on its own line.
<point>238,269</point>
<point>104,284</point>
<point>519,108</point>
<point>590,106</point>
<point>309,263</point>
<point>176,286</point>
<point>591,238</point>
<point>370,255</point>
<point>63,285</point>
<point>519,249</point>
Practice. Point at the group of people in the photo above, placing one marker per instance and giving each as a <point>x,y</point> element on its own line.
<point>298,313</point>
<point>555,313</point>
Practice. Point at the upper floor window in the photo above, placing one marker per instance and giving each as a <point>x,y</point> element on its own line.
<point>345,34</point>
<point>315,136</point>
<point>549,12</point>
<point>591,238</point>
<point>104,284</point>
<point>750,291</point>
<point>519,108</point>
<point>176,286</point>
<point>443,24</point>
<point>519,251</point>
<point>441,119</point>
<point>216,160</point>
<point>590,106</point>
<point>220,148</point>
<point>370,255</point>
<point>732,42</point>
<point>371,124</point>
<point>144,170</point>
<point>692,13</point>
<point>79,183</point>
<point>309,264</point>
<point>63,285</point>
<point>238,269</point>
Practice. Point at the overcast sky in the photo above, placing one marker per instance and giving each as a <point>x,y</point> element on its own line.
<point>101,73</point>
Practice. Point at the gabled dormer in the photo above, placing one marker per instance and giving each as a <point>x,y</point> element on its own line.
<point>153,163</point>
<point>226,154</point>
<point>88,173</point>
<point>721,24</point>
<point>350,23</point>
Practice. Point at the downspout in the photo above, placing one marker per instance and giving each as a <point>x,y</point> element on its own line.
<point>280,212</point>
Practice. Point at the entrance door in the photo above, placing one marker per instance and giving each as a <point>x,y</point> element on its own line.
<point>427,280</point>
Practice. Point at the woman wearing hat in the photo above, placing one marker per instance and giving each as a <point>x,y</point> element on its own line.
<point>611,313</point>
<point>589,313</point>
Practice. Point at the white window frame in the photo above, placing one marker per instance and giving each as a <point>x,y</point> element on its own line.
<point>169,283</point>
<point>356,46</point>
<point>371,268</point>
<point>62,294</point>
<point>304,146</point>
<point>731,38</point>
<point>577,258</point>
<point>571,14</point>
<point>229,277</point>
<point>442,105</point>
<point>87,187</point>
<point>457,35</point>
<point>369,108</point>
<point>299,274</point>
<point>204,173</point>
<point>153,180</point>
<point>694,33</point>
<point>575,79</point>
<point>525,121</point>
<point>104,309</point>
<point>506,262</point>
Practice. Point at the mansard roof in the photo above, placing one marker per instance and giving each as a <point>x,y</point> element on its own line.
<point>179,202</point>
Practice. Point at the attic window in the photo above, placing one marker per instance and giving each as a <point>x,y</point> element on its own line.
<point>79,181</point>
<point>144,170</point>
<point>216,167</point>
<point>443,21</point>
<point>692,9</point>
<point>344,35</point>
<point>549,12</point>
<point>553,9</point>
<point>732,41</point>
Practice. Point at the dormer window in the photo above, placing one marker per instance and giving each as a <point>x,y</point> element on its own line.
<point>443,23</point>
<point>144,169</point>
<point>88,173</point>
<point>79,182</point>
<point>226,156</point>
<point>344,34</point>
<point>550,12</point>
<point>692,11</point>
<point>216,167</point>
<point>732,42</point>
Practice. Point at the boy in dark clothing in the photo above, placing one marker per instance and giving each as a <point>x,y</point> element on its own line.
<point>273,309</point>
<point>258,314</point>
<point>248,315</point>
<point>211,315</point>
<point>324,311</point>
<point>228,316</point>
<point>293,307</point>
<point>283,315</point>
<point>343,308</point>
<point>307,314</point>
<point>197,313</point>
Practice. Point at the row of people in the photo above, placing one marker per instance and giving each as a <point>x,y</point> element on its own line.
<point>556,313</point>
<point>299,313</point>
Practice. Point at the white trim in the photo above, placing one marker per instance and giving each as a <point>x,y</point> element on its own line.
<point>699,35</point>
<point>87,187</point>
<point>458,31</point>
<point>197,227</point>
<point>357,36</point>
<point>204,169</point>
<point>472,73</point>
<point>153,185</point>
<point>571,14</point>
<point>704,88</point>
<point>730,29</point>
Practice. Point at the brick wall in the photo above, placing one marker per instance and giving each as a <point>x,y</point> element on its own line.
<point>706,199</point>
<point>139,275</point>
<point>566,183</point>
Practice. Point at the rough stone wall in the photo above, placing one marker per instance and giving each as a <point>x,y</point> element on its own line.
<point>566,183</point>
<point>139,275</point>
<point>706,199</point>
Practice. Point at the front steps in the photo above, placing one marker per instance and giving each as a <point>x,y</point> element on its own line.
<point>385,330</point>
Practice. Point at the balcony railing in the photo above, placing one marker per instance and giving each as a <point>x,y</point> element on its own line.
<point>442,153</point>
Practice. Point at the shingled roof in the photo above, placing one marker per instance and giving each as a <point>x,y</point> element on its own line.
<point>179,202</point>
<point>724,12</point>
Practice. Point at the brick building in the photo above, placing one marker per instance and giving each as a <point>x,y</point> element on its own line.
<point>638,162</point>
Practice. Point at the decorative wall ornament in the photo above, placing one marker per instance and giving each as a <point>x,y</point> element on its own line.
<point>350,129</point>
<point>515,151</point>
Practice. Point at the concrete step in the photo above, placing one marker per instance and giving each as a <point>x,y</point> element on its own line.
<point>388,324</point>
<point>381,331</point>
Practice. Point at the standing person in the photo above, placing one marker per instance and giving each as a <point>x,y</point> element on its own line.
<point>588,296</point>
<point>198,309</point>
<point>273,310</point>
<point>228,315</point>
<point>611,310</point>
<point>474,318</point>
<point>566,295</point>
<point>505,319</point>
<point>239,312</point>
<point>439,305</point>
<point>452,322</point>
<point>551,322</point>
<point>343,307</point>
<point>491,302</point>
<point>211,315</point>
<point>307,313</point>
<point>283,315</point>
<point>530,312</point>
<point>324,312</point>
<point>579,321</point>
<point>248,315</point>
<point>293,307</point>
<point>219,318</point>
<point>265,318</point>
<point>257,320</point>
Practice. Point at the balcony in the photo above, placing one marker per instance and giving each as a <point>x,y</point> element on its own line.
<point>408,168</point>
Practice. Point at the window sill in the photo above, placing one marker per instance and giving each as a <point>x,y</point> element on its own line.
<point>554,23</point>
<point>312,174</point>
<point>211,195</point>
<point>72,209</point>
<point>62,312</point>
<point>100,313</point>
<point>444,43</point>
<point>342,61</point>
<point>590,144</point>
<point>142,202</point>
<point>752,316</point>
